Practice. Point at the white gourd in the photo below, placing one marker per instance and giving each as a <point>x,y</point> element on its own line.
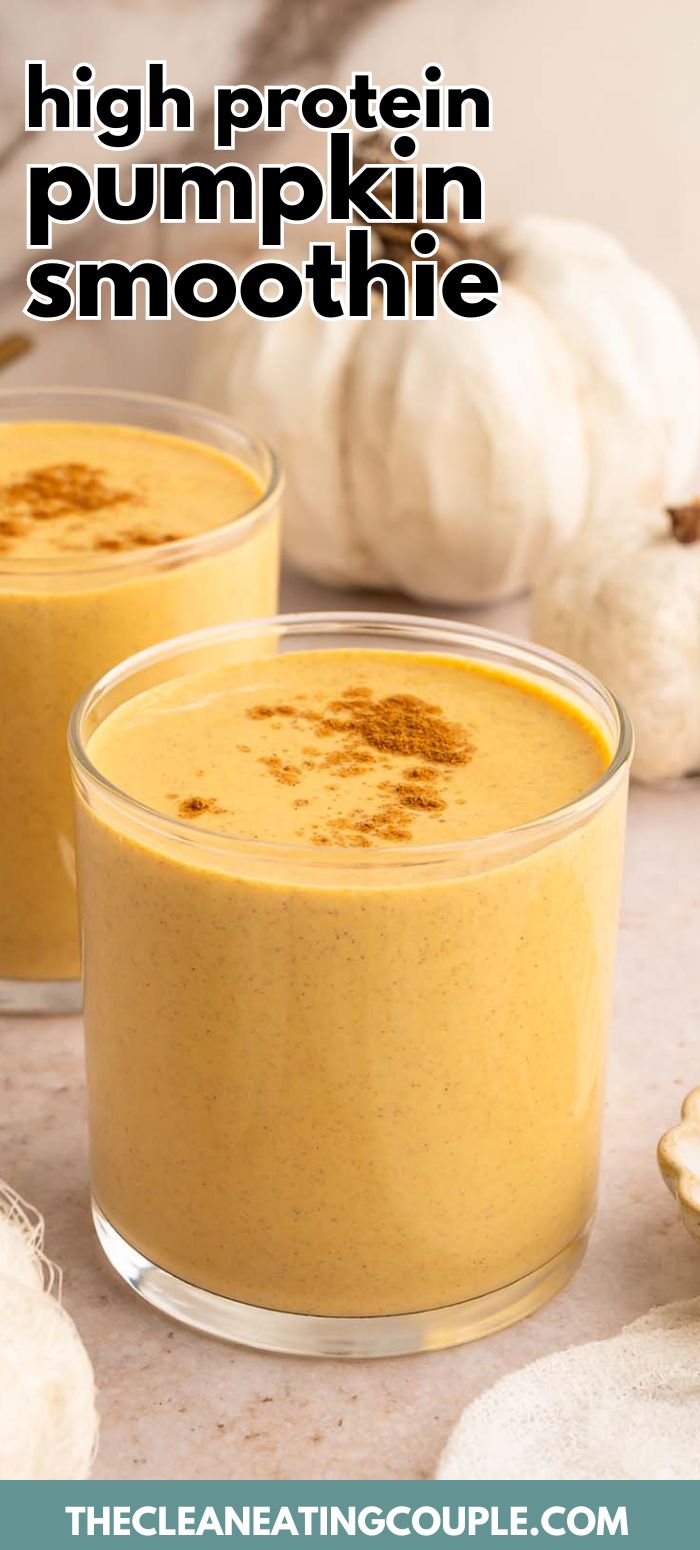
<point>624,599</point>
<point>48,1420</point>
<point>453,459</point>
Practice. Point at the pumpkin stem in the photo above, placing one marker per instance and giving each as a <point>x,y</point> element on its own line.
<point>394,238</point>
<point>685,522</point>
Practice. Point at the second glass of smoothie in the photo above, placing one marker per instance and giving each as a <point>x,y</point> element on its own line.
<point>124,520</point>
<point>349,890</point>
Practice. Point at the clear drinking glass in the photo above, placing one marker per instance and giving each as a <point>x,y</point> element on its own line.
<point>66,619</point>
<point>346,1102</point>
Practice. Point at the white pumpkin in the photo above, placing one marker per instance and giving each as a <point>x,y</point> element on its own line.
<point>624,599</point>
<point>452,458</point>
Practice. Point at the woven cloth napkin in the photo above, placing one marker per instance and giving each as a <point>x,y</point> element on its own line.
<point>627,1408</point>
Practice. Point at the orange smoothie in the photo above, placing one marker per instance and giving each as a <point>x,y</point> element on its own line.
<point>112,537</point>
<point>345,1051</point>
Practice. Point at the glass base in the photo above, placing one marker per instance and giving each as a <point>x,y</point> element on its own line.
<point>28,997</point>
<point>300,1334</point>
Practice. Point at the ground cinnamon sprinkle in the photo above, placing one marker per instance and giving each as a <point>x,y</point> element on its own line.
<point>135,538</point>
<point>286,774</point>
<point>412,796</point>
<point>400,726</point>
<point>403,724</point>
<point>60,490</point>
<point>192,807</point>
<point>263,712</point>
<point>72,490</point>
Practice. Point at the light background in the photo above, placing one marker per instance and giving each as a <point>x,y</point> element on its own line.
<point>597,114</point>
<point>596,117</point>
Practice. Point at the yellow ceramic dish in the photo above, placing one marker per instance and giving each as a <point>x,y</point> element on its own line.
<point>679,1161</point>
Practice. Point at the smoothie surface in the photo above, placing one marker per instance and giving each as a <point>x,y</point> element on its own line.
<point>68,487</point>
<point>352,748</point>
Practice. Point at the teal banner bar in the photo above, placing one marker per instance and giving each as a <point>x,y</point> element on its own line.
<point>643,1514</point>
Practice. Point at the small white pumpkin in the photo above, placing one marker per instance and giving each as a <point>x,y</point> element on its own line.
<point>624,599</point>
<point>452,458</point>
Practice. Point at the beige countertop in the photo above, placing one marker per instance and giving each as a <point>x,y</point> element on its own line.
<point>177,1405</point>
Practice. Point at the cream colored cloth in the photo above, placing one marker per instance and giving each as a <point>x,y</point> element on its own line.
<point>48,1419</point>
<point>627,1408</point>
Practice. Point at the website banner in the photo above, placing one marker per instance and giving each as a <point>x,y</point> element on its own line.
<point>643,1514</point>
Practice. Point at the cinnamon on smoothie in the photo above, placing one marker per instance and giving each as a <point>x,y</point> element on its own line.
<point>92,519</point>
<point>365,727</point>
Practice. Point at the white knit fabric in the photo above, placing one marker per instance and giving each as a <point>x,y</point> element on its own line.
<point>627,1408</point>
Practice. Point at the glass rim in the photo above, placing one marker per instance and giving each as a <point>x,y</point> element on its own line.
<point>337,856</point>
<point>178,550</point>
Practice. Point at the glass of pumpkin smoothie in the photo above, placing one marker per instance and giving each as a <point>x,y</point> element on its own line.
<point>124,520</point>
<point>349,891</point>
